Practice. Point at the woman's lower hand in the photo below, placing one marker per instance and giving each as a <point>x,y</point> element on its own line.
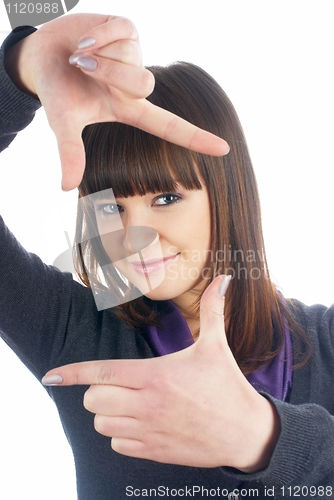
<point>193,407</point>
<point>107,83</point>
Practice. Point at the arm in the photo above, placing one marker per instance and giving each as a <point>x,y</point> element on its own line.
<point>29,290</point>
<point>17,108</point>
<point>304,452</point>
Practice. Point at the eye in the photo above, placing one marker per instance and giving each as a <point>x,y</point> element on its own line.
<point>109,209</point>
<point>166,199</point>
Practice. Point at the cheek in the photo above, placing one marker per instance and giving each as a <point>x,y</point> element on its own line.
<point>113,245</point>
<point>196,228</point>
<point>195,222</point>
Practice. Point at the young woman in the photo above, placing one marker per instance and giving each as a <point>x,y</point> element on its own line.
<point>201,395</point>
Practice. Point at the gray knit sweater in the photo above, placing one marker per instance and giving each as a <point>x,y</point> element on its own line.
<point>50,320</point>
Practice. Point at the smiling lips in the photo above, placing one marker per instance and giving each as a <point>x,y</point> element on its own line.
<point>151,266</point>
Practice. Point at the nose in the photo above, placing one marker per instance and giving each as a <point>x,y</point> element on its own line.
<point>136,238</point>
<point>138,231</point>
<point>125,242</point>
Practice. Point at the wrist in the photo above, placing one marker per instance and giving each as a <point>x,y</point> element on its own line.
<point>262,438</point>
<point>17,66</point>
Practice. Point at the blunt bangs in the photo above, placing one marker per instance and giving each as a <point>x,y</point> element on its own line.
<point>133,162</point>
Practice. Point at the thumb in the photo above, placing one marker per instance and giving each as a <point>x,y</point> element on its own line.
<point>72,154</point>
<point>212,326</point>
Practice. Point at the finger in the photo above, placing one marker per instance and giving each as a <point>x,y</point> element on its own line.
<point>135,81</point>
<point>117,427</point>
<point>116,28</point>
<point>131,373</point>
<point>111,401</point>
<point>129,447</point>
<point>157,121</point>
<point>139,448</point>
<point>212,326</point>
<point>71,152</point>
<point>125,51</point>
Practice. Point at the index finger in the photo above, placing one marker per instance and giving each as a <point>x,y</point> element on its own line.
<point>115,28</point>
<point>125,373</point>
<point>164,124</point>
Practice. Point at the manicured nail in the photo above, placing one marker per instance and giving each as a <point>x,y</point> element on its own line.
<point>52,380</point>
<point>74,58</point>
<point>224,285</point>
<point>85,43</point>
<point>87,63</point>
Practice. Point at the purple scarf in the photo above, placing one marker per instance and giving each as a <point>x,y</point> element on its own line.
<point>274,379</point>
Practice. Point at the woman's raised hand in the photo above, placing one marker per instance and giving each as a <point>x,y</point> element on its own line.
<point>193,407</point>
<point>107,82</point>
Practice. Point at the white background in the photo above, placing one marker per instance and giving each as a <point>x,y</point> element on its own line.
<point>275,61</point>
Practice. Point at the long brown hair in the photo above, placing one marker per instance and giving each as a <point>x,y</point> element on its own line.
<point>132,162</point>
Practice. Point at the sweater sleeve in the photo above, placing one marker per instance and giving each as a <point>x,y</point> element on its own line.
<point>36,306</point>
<point>303,461</point>
<point>17,109</point>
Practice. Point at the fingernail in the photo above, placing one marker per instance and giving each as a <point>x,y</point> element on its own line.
<point>85,43</point>
<point>224,285</point>
<point>74,58</point>
<point>52,380</point>
<point>87,63</point>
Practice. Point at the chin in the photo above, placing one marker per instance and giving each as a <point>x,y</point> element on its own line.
<point>158,295</point>
<point>163,292</point>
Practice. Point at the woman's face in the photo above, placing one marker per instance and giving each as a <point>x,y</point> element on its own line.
<point>160,242</point>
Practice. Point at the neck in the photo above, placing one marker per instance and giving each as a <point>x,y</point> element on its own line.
<point>192,319</point>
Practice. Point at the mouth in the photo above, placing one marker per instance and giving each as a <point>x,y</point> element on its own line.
<point>152,266</point>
